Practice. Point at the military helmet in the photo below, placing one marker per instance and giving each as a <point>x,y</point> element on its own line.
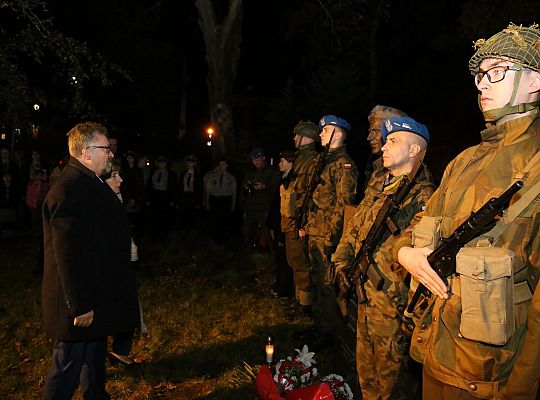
<point>307,129</point>
<point>519,44</point>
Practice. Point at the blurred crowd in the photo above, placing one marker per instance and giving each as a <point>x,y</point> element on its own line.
<point>161,193</point>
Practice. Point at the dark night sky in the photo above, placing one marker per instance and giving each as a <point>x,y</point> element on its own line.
<point>422,67</point>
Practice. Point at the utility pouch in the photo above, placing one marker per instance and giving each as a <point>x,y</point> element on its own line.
<point>288,201</point>
<point>487,294</point>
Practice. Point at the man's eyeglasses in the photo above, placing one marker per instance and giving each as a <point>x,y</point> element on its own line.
<point>107,148</point>
<point>495,74</point>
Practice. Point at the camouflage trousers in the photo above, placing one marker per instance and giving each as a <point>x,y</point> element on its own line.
<point>298,259</point>
<point>385,369</point>
<point>325,307</point>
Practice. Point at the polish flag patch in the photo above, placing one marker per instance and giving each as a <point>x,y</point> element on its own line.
<point>347,165</point>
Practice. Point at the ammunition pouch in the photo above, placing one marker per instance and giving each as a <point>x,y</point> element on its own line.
<point>492,305</point>
<point>288,202</point>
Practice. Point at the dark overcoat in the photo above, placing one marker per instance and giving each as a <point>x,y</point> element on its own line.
<point>87,257</point>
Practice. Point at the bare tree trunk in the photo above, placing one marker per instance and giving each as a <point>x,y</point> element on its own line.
<point>222,40</point>
<point>183,101</point>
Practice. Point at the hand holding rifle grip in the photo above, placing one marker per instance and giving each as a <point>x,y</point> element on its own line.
<point>443,258</point>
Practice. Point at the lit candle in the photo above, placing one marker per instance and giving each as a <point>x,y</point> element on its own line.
<point>269,350</point>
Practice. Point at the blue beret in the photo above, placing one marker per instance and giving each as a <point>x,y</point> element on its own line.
<point>333,120</point>
<point>406,124</point>
<point>256,153</point>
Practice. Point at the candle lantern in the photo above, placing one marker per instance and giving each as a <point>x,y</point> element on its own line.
<point>269,348</point>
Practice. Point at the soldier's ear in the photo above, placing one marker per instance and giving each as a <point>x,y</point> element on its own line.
<point>414,150</point>
<point>534,86</point>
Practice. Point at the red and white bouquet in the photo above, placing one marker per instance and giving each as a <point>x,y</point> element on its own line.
<point>296,377</point>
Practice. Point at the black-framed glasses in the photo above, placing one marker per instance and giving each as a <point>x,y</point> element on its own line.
<point>107,148</point>
<point>495,74</point>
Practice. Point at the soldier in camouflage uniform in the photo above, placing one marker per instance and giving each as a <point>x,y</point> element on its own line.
<point>381,351</point>
<point>456,364</point>
<point>337,188</point>
<point>306,135</point>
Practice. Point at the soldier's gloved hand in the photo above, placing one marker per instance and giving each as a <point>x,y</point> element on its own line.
<point>343,282</point>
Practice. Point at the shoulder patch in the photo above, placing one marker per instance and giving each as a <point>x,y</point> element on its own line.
<point>347,165</point>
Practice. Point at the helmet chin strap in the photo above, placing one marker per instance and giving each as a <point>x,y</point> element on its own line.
<point>492,116</point>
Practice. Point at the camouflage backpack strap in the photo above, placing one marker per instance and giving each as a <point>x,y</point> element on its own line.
<point>532,195</point>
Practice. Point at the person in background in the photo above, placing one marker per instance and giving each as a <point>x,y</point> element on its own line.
<point>305,137</point>
<point>58,168</point>
<point>113,142</point>
<point>132,188</point>
<point>7,164</point>
<point>283,286</point>
<point>259,187</point>
<point>87,252</point>
<point>188,192</point>
<point>160,197</point>
<point>220,191</point>
<point>122,342</point>
<point>30,167</point>
<point>478,337</point>
<point>144,164</point>
<point>9,200</point>
<point>36,191</point>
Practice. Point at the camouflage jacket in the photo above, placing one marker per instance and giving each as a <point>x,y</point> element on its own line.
<point>366,213</point>
<point>302,171</point>
<point>469,181</point>
<point>336,189</point>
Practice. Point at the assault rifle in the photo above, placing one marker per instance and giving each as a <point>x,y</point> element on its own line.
<point>313,182</point>
<point>443,257</point>
<point>363,266</point>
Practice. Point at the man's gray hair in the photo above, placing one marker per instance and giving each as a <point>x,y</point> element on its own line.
<point>82,135</point>
<point>387,111</point>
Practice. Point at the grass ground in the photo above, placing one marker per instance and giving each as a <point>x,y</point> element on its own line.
<point>206,305</point>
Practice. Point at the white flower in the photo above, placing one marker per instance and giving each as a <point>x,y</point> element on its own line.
<point>305,356</point>
<point>333,377</point>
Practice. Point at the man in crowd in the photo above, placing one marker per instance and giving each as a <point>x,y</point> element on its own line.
<point>382,359</point>
<point>87,252</point>
<point>188,196</point>
<point>220,198</point>
<point>336,188</point>
<point>306,135</point>
<point>260,184</point>
<point>495,354</point>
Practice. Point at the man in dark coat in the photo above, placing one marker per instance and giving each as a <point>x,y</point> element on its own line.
<point>88,289</point>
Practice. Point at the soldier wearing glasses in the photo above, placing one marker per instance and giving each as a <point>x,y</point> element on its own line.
<point>87,252</point>
<point>488,357</point>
